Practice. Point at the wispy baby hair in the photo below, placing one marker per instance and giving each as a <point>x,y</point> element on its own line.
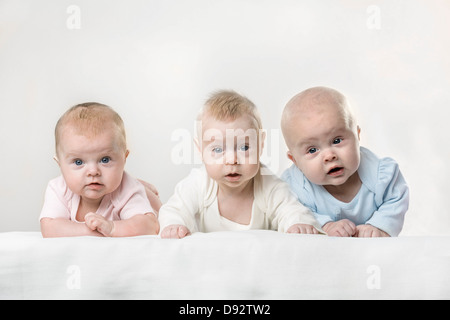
<point>229,105</point>
<point>90,119</point>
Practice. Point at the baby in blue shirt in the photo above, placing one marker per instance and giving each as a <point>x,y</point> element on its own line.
<point>351,191</point>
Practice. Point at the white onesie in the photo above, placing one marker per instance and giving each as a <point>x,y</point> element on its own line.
<point>194,205</point>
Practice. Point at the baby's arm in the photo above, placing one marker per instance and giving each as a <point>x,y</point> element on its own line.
<point>392,198</point>
<point>140,224</point>
<point>60,227</point>
<point>287,213</point>
<point>55,218</point>
<point>177,216</point>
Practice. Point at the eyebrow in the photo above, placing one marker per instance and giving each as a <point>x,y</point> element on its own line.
<point>242,139</point>
<point>307,142</point>
<point>335,132</point>
<point>76,153</point>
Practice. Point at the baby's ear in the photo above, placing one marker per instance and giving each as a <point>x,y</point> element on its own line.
<point>358,130</point>
<point>127,152</point>
<point>56,159</point>
<point>291,157</point>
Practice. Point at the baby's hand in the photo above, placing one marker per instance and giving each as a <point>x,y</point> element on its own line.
<point>369,231</point>
<point>341,228</point>
<point>302,228</point>
<point>97,222</point>
<point>175,231</point>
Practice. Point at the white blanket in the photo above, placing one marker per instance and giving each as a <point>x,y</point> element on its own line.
<point>224,265</point>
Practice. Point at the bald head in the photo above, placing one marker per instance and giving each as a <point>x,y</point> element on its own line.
<point>313,101</point>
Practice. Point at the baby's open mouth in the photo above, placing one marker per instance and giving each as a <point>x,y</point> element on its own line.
<point>336,170</point>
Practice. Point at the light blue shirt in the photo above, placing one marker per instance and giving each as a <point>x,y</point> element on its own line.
<point>382,200</point>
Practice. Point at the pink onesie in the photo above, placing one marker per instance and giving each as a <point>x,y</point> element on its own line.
<point>126,201</point>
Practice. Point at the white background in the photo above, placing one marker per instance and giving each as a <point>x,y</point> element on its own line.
<point>156,62</point>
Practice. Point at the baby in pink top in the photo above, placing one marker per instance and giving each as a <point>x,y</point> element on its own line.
<point>94,196</point>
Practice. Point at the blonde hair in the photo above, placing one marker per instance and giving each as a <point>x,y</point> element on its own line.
<point>90,119</point>
<point>229,105</point>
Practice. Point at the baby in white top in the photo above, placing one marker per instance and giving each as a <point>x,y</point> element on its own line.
<point>229,192</point>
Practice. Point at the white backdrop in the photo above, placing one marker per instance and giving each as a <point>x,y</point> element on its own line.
<point>156,61</point>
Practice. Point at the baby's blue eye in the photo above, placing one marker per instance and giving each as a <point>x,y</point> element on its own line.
<point>78,162</point>
<point>312,150</point>
<point>217,150</point>
<point>244,148</point>
<point>105,159</point>
<point>337,141</point>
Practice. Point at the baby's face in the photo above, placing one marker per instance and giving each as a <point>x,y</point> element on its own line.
<point>323,147</point>
<point>230,150</point>
<point>92,166</point>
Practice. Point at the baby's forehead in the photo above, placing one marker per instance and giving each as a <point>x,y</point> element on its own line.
<point>108,136</point>
<point>87,130</point>
<point>322,108</point>
<point>315,105</point>
<point>243,121</point>
<point>213,129</point>
<point>324,114</point>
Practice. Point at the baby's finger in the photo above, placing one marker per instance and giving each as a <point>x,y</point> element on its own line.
<point>349,230</point>
<point>165,233</point>
<point>96,223</point>
<point>182,232</point>
<point>310,230</point>
<point>173,233</point>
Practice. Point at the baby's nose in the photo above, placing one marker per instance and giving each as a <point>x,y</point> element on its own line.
<point>231,157</point>
<point>93,170</point>
<point>329,155</point>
